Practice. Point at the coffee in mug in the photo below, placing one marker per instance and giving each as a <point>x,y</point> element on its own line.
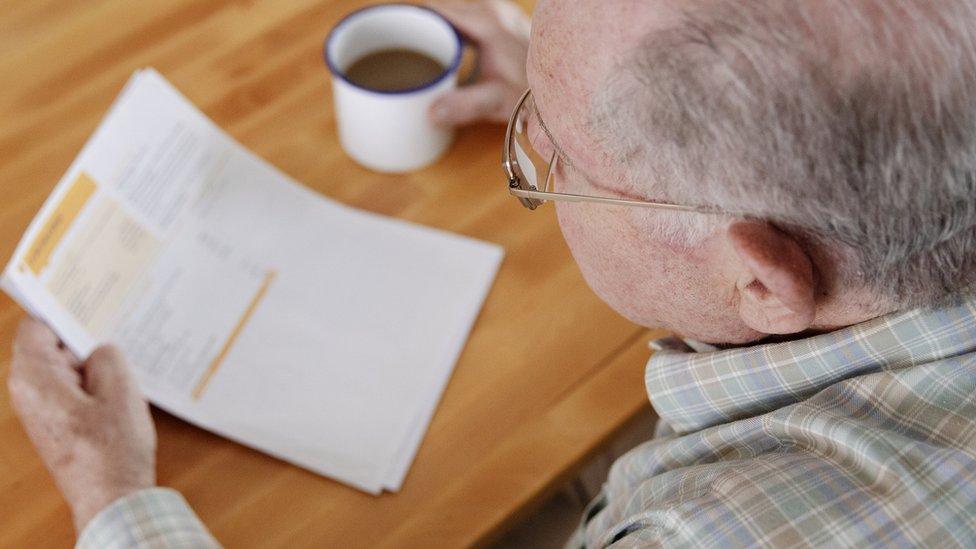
<point>394,70</point>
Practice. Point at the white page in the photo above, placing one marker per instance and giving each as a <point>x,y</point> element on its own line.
<point>427,400</point>
<point>248,304</point>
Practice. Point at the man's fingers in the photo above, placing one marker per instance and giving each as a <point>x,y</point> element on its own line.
<point>473,19</point>
<point>34,337</point>
<point>499,27</point>
<point>107,374</point>
<point>40,361</point>
<point>512,18</point>
<point>32,334</point>
<point>486,101</point>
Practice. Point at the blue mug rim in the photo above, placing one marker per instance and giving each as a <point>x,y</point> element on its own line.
<point>361,11</point>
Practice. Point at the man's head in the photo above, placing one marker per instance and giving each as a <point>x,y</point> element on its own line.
<point>846,129</point>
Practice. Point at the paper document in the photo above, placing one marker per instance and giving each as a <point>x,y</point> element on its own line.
<point>246,303</point>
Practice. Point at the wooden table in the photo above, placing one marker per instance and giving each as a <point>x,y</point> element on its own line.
<point>549,374</point>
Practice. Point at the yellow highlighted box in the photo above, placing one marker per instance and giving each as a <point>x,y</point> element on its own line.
<point>219,359</point>
<point>54,229</point>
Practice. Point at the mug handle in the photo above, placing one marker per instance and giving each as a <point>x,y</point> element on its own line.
<point>472,58</point>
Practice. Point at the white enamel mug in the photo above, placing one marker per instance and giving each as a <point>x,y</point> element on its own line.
<point>390,131</point>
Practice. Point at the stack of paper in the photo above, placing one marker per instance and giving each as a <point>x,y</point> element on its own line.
<point>247,304</point>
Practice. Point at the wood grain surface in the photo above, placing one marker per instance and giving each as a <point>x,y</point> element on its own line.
<point>549,375</point>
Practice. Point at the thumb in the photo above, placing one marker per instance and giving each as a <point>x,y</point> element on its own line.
<point>468,104</point>
<point>107,374</point>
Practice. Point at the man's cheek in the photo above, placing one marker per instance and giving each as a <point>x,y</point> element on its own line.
<point>596,249</point>
<point>569,222</point>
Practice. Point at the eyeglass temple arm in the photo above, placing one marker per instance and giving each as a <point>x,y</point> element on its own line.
<point>567,197</point>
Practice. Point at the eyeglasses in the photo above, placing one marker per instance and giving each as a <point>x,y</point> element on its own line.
<point>530,171</point>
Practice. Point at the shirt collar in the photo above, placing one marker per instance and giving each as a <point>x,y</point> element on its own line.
<point>691,391</point>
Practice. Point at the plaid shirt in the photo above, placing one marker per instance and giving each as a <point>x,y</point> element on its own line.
<point>863,437</point>
<point>157,518</point>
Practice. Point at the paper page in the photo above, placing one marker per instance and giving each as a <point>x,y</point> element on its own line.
<point>246,303</point>
<point>106,260</point>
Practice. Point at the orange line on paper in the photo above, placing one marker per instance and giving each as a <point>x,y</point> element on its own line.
<point>56,226</point>
<point>219,359</point>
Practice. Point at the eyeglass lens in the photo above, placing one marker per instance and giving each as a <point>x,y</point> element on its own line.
<point>532,148</point>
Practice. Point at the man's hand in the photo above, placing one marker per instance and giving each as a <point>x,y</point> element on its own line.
<point>501,31</point>
<point>87,420</point>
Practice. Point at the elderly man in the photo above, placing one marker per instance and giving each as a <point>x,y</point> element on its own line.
<point>791,182</point>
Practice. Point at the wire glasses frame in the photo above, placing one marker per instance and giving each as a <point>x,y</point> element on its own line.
<point>525,168</point>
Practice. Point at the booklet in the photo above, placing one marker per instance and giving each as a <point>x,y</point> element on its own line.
<point>246,303</point>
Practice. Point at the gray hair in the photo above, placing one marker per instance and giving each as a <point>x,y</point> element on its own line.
<point>849,122</point>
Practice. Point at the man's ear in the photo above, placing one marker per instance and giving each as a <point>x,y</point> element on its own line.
<point>775,284</point>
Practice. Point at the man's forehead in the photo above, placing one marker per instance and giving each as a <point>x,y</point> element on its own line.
<point>576,44</point>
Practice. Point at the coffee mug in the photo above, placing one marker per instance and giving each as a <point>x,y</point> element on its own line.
<point>389,131</point>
